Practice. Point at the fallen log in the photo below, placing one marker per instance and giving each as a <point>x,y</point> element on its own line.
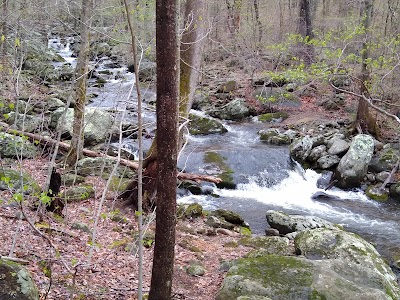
<point>44,140</point>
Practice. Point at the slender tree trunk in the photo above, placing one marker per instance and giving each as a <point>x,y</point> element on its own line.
<point>305,30</point>
<point>80,85</point>
<point>167,57</point>
<point>234,15</point>
<point>3,41</point>
<point>191,53</point>
<point>258,21</point>
<point>364,119</point>
<point>140,167</point>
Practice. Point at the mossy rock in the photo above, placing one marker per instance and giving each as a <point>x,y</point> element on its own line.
<point>280,277</point>
<point>230,216</point>
<point>81,226</point>
<point>264,245</point>
<point>16,282</point>
<point>195,268</point>
<point>375,193</point>
<point>118,184</point>
<point>191,186</point>
<point>16,146</point>
<point>273,117</point>
<point>202,126</point>
<point>78,193</point>
<point>189,211</point>
<point>71,179</point>
<point>18,181</point>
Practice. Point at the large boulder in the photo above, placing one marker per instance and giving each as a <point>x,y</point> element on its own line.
<point>384,160</point>
<point>354,164</point>
<point>16,282</point>
<point>16,146</point>
<point>334,264</point>
<point>285,223</point>
<point>98,126</point>
<point>234,110</point>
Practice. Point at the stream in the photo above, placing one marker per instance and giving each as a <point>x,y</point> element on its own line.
<point>266,177</point>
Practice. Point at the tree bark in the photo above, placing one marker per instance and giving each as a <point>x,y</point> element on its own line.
<point>306,51</point>
<point>364,120</point>
<point>167,57</point>
<point>191,53</point>
<point>80,86</point>
<point>258,21</point>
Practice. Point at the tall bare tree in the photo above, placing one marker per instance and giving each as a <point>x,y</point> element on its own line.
<point>167,57</point>
<point>365,121</point>
<point>81,81</point>
<point>191,52</point>
<point>306,51</point>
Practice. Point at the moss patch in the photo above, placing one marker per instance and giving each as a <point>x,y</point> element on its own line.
<point>269,117</point>
<point>226,175</point>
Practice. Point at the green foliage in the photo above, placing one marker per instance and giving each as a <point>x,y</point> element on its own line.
<point>338,51</point>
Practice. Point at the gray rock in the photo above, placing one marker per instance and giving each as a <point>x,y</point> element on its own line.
<point>354,164</point>
<point>274,137</point>
<point>147,71</point>
<point>229,216</point>
<point>100,166</point>
<point>16,146</point>
<point>78,193</point>
<point>394,191</point>
<point>301,148</point>
<point>338,147</point>
<point>216,222</point>
<point>53,103</point>
<point>382,176</point>
<point>264,245</point>
<point>384,160</point>
<point>203,126</point>
<point>328,161</point>
<point>289,223</point>
<point>325,180</point>
<point>322,196</point>
<point>98,124</point>
<point>234,110</point>
<point>24,122</point>
<point>317,152</point>
<point>334,265</point>
<point>18,181</point>
<point>196,269</point>
<point>16,282</point>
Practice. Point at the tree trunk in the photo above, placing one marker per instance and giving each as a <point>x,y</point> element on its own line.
<point>80,85</point>
<point>234,15</point>
<point>191,58</point>
<point>258,21</point>
<point>3,43</point>
<point>167,57</point>
<point>306,51</point>
<point>191,53</point>
<point>364,120</point>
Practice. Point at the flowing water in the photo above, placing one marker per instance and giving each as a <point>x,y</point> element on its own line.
<point>266,177</point>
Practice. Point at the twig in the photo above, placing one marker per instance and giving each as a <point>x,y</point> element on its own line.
<point>18,260</point>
